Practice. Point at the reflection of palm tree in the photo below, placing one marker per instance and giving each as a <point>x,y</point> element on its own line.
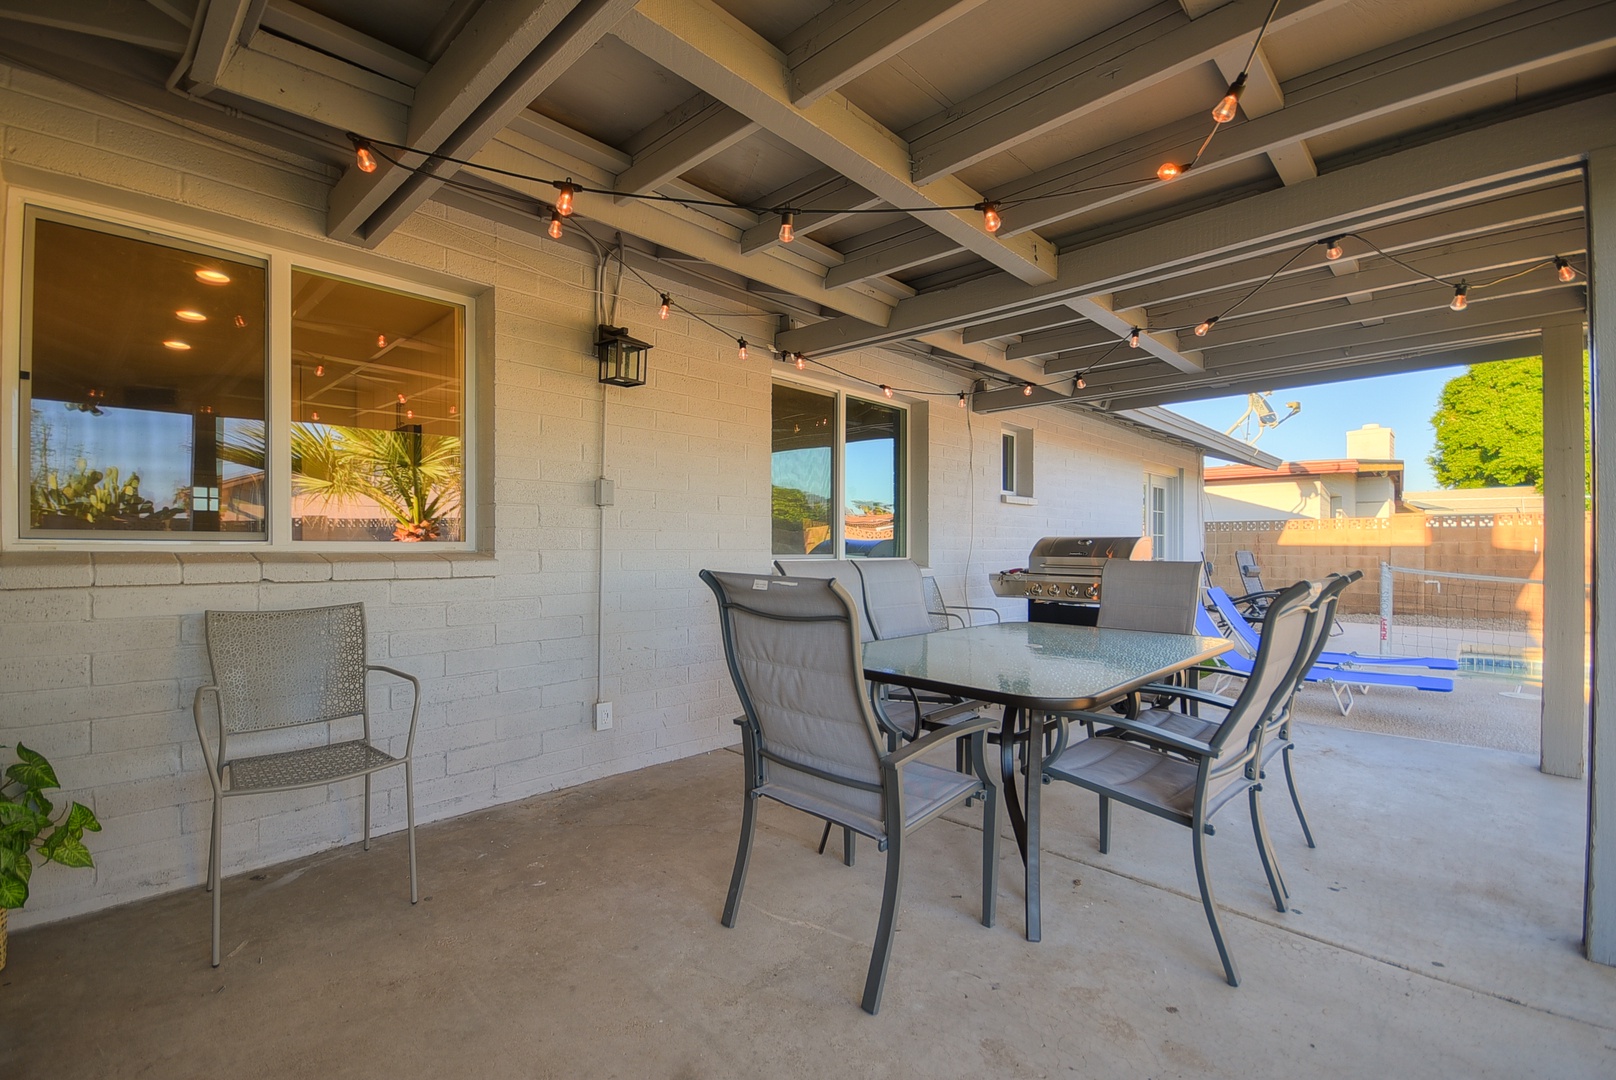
<point>414,478</point>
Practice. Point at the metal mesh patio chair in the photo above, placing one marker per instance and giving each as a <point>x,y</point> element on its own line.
<point>810,738</point>
<point>276,670</point>
<point>941,611</point>
<point>1187,780</point>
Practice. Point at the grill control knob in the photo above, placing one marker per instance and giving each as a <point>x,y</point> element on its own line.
<point>1034,589</point>
<point>1072,591</point>
<point>1093,592</point>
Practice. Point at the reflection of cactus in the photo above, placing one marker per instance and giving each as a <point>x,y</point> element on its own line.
<point>93,497</point>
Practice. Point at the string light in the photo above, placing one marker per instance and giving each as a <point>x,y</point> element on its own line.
<point>364,154</point>
<point>564,201</point>
<point>1171,171</point>
<point>1226,109</point>
<point>381,341</point>
<point>315,416</point>
<point>319,371</point>
<point>802,362</point>
<point>555,224</point>
<point>402,399</point>
<point>990,215</point>
<point>667,305</point>
<point>1461,298</point>
<point>1332,247</point>
<point>1133,338</point>
<point>887,390</point>
<point>788,222</point>
<point>742,343</point>
<point>1205,327</point>
<point>1026,390</point>
<point>962,399</point>
<point>1080,383</point>
<point>1564,270</point>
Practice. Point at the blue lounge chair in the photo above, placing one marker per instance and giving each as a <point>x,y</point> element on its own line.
<point>1246,635</point>
<point>1339,680</point>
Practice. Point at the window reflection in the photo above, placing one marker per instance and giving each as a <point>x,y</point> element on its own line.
<point>871,522</point>
<point>801,468</point>
<point>142,354</point>
<point>378,410</point>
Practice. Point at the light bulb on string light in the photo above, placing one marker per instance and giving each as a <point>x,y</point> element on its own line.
<point>315,416</point>
<point>1206,327</point>
<point>1133,338</point>
<point>319,371</point>
<point>802,362</point>
<point>887,390</point>
<point>564,200</point>
<point>741,342</point>
<point>667,305</point>
<point>1564,270</point>
<point>1332,248</point>
<point>1026,391</point>
<point>1227,108</point>
<point>1171,170</point>
<point>1461,297</point>
<point>962,399</point>
<point>402,399</point>
<point>788,226</point>
<point>364,154</point>
<point>555,225</point>
<point>1081,382</point>
<point>990,215</point>
<point>381,341</point>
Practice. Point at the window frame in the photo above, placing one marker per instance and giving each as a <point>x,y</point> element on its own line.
<point>1171,488</point>
<point>280,257</point>
<point>838,477</point>
<point>1019,440</point>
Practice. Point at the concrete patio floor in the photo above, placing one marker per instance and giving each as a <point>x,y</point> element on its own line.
<point>1434,932</point>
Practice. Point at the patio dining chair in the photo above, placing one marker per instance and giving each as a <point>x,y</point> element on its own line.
<point>946,616</point>
<point>278,670</point>
<point>810,739</point>
<point>1186,780</point>
<point>1245,633</point>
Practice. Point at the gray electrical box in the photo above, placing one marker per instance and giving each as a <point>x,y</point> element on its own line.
<point>605,493</point>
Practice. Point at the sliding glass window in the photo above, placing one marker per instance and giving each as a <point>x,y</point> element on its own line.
<point>838,468</point>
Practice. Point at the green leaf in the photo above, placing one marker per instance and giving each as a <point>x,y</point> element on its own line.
<point>32,770</point>
<point>81,817</point>
<point>70,852</point>
<point>13,891</point>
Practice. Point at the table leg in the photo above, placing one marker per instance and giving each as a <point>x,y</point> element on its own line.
<point>1007,774</point>
<point>1035,785</point>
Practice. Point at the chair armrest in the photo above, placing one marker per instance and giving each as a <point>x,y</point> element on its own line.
<point>415,704</point>
<point>1202,697</point>
<point>991,611</point>
<point>1164,738</point>
<point>207,751</point>
<point>949,615</point>
<point>899,758</point>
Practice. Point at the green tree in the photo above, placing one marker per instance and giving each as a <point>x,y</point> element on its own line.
<point>1489,426</point>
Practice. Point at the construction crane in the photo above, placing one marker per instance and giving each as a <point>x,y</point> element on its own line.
<point>1259,409</point>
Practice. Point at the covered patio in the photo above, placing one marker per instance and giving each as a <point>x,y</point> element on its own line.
<point>970,247</point>
<point>1434,933</point>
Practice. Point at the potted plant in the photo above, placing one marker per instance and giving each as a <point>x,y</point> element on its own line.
<point>26,814</point>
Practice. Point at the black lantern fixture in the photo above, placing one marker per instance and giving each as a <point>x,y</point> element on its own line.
<point>622,358</point>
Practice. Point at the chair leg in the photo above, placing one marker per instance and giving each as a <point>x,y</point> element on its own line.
<point>1296,800</point>
<point>409,815</point>
<point>1105,825</point>
<point>1265,850</point>
<point>215,859</point>
<point>824,838</point>
<point>1198,830</point>
<point>367,812</point>
<point>990,853</point>
<point>847,845</point>
<point>743,858</point>
<point>876,981</point>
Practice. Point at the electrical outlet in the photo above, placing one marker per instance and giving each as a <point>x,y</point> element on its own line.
<point>603,715</point>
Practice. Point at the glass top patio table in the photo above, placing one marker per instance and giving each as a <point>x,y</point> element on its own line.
<point>1036,671</point>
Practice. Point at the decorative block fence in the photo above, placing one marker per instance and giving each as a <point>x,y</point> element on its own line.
<point>1500,545</point>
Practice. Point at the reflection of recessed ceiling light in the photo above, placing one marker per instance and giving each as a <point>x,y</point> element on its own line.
<point>212,277</point>
<point>175,344</point>
<point>190,316</point>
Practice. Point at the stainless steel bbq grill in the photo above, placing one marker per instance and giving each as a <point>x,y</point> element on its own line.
<point>1061,581</point>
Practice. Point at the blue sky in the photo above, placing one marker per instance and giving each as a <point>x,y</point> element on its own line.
<point>1403,403</point>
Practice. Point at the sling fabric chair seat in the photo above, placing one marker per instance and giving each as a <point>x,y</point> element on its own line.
<point>810,738</point>
<point>1246,634</point>
<point>1188,780</point>
<point>277,670</point>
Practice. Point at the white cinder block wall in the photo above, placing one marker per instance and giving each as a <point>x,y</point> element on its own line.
<point>100,654</point>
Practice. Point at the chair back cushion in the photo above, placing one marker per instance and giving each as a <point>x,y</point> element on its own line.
<point>894,597</point>
<point>1162,597</point>
<point>840,571</point>
<point>797,665</point>
<point>279,669</point>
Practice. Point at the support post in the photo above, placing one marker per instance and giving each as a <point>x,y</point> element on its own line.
<point>1599,909</point>
<point>1565,709</point>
